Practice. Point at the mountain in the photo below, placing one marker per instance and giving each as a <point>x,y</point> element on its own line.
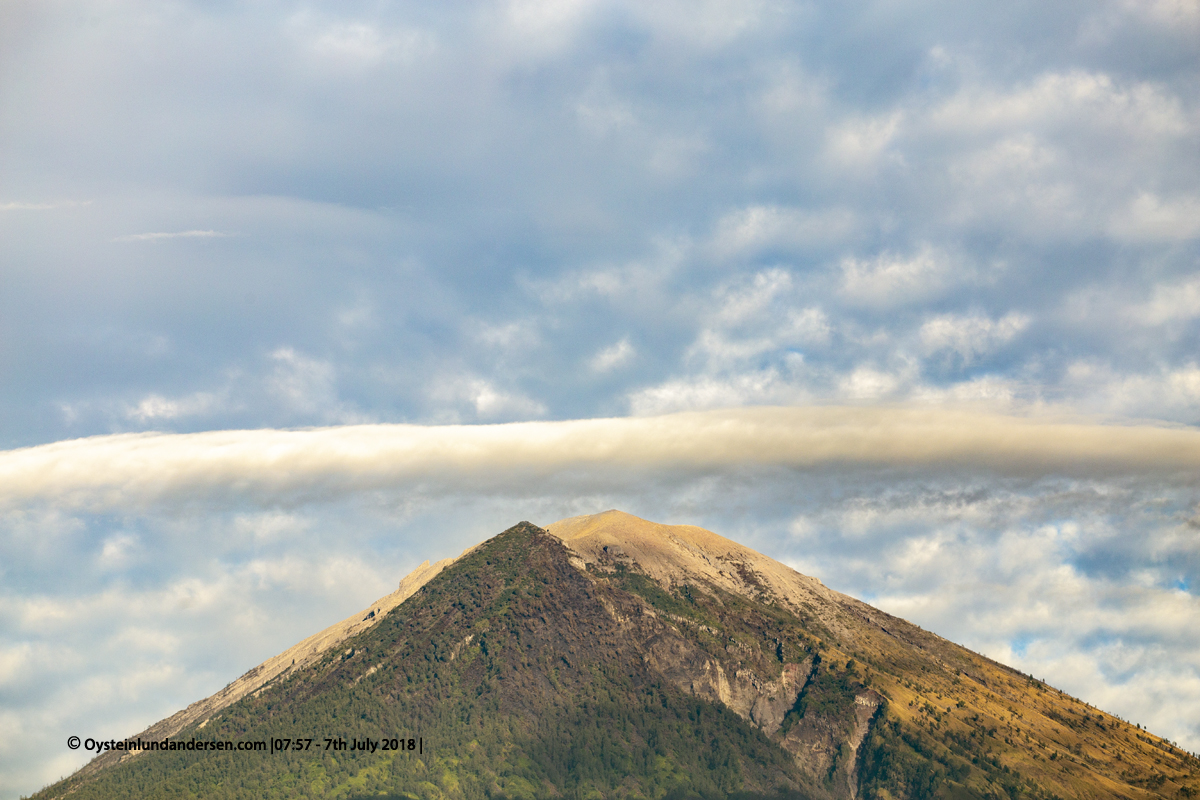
<point>610,657</point>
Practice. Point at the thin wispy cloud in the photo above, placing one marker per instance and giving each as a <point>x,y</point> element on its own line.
<point>25,206</point>
<point>153,237</point>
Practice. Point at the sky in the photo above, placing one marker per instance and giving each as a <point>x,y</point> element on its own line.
<point>295,295</point>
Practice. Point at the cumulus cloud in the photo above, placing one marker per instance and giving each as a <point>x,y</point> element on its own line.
<point>970,336</point>
<point>715,391</point>
<point>358,44</point>
<point>1170,302</point>
<point>749,230</point>
<point>859,143</point>
<point>483,399</point>
<point>1075,98</point>
<point>1150,217</point>
<point>892,279</point>
<point>611,358</point>
<point>155,407</point>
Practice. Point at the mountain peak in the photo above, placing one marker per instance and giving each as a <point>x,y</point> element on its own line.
<point>683,554</point>
<point>613,657</point>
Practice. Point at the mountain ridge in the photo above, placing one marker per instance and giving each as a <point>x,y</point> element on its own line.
<point>834,699</point>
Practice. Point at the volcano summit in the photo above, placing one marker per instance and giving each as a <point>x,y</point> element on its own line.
<point>610,657</point>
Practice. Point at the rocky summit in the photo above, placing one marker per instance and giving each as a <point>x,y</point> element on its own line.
<point>610,657</point>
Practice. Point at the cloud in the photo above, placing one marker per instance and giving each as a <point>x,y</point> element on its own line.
<point>1162,391</point>
<point>154,237</point>
<point>970,336</point>
<point>301,382</point>
<point>26,206</point>
<point>890,279</point>
<point>750,230</point>
<point>1170,302</point>
<point>1179,15</point>
<point>483,399</point>
<point>1149,217</point>
<point>611,358</point>
<point>155,407</point>
<point>1072,98</point>
<point>868,383</point>
<point>715,391</point>
<point>859,143</point>
<point>359,44</point>
<point>133,470</point>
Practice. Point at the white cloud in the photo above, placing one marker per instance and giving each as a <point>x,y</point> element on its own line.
<point>1151,218</point>
<point>270,526</point>
<point>304,384</point>
<point>366,44</point>
<point>118,550</point>
<point>714,391</point>
<point>1170,303</point>
<point>866,383</point>
<point>154,237</point>
<point>1075,98</point>
<point>754,228</point>
<point>748,321</point>
<point>970,336</point>
<point>1022,180</point>
<point>610,358</point>
<point>890,279</point>
<point>484,399</point>
<point>156,407</point>
<point>508,336</point>
<point>1163,392</point>
<point>624,283</point>
<point>859,143</point>
<point>602,114</point>
<point>989,390</point>
<point>739,302</point>
<point>808,326</point>
<point>27,206</point>
<point>542,28</point>
<point>1020,155</point>
<point>706,23</point>
<point>1171,14</point>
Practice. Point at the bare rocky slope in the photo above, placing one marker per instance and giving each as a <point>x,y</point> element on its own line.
<point>609,656</point>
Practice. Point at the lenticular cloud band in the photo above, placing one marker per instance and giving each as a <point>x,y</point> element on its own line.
<point>129,470</point>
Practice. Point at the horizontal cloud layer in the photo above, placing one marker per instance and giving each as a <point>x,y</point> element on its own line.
<point>128,470</point>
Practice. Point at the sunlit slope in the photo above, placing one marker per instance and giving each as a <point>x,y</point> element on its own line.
<point>295,658</point>
<point>955,705</point>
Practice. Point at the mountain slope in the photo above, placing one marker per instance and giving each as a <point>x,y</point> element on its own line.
<point>613,657</point>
